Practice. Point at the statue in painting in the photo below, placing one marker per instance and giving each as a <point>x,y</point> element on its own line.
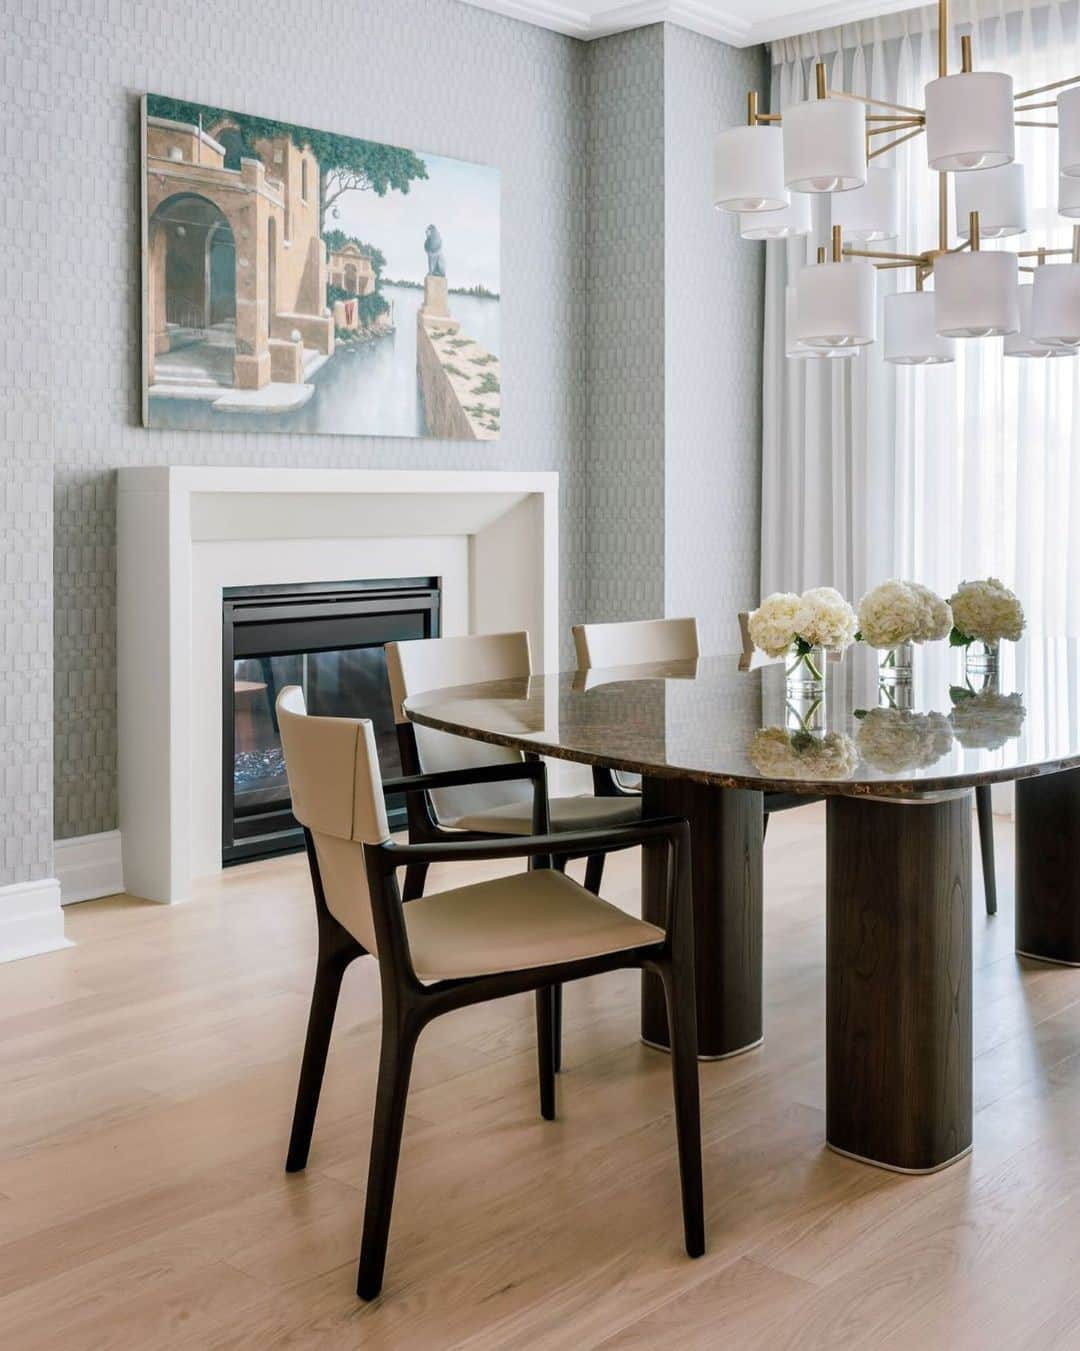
<point>433,247</point>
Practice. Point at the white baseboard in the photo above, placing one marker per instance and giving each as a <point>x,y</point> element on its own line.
<point>31,920</point>
<point>89,866</point>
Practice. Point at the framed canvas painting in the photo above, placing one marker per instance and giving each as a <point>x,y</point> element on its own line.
<point>303,281</point>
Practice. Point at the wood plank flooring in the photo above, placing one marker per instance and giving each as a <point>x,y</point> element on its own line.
<point>146,1084</point>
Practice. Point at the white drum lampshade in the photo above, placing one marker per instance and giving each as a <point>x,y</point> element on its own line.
<point>824,146</point>
<point>976,295</point>
<point>787,223</point>
<point>1068,196</point>
<point>969,121</point>
<point>799,351</point>
<point>1055,305</point>
<point>1068,109</point>
<point>748,170</point>
<point>998,196</point>
<point>835,305</point>
<point>911,338</point>
<point>1022,344</point>
<point>872,211</point>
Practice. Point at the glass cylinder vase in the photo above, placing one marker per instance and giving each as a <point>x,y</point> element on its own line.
<point>804,672</point>
<point>896,663</point>
<point>981,659</point>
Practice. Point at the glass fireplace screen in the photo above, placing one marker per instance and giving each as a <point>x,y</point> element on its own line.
<point>328,639</point>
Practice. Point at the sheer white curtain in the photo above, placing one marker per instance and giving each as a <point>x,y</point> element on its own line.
<point>938,473</point>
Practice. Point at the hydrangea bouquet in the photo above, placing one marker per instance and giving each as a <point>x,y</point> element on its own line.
<point>803,628</point>
<point>895,615</point>
<point>984,613</point>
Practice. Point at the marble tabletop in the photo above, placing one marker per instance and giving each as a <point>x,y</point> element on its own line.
<point>708,720</point>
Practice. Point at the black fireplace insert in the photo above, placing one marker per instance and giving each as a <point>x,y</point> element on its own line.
<point>328,639</point>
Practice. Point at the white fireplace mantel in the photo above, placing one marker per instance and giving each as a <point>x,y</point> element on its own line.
<point>185,532</point>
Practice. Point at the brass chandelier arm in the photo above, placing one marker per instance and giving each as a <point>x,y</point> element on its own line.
<point>1045,88</point>
<point>891,145</point>
<point>1050,125</point>
<point>896,126</point>
<point>877,103</point>
<point>911,258</point>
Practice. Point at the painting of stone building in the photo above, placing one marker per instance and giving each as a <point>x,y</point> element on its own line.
<point>300,280</point>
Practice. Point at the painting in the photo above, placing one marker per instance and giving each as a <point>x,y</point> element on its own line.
<point>297,280</point>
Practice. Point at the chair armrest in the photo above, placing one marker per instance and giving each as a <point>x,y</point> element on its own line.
<point>605,784</point>
<point>568,842</point>
<point>453,778</point>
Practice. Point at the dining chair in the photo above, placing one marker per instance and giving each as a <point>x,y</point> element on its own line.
<point>526,932</point>
<point>983,803</point>
<point>474,809</point>
<point>640,642</point>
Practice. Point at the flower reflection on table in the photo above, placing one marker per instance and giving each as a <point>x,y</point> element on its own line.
<point>985,719</point>
<point>778,753</point>
<point>896,739</point>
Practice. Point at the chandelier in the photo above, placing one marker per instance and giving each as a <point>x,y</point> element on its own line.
<point>768,170</point>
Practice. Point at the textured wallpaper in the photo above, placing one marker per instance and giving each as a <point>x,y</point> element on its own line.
<point>713,304</point>
<point>449,78</point>
<point>588,139</point>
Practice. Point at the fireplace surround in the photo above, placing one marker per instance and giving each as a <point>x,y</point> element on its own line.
<point>186,534</point>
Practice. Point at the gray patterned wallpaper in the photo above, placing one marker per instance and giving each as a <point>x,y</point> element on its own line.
<point>579,133</point>
<point>714,305</point>
<point>445,77</point>
<point>624,324</point>
<point>26,644</point>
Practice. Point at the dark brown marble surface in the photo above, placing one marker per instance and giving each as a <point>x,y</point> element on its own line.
<point>708,720</point>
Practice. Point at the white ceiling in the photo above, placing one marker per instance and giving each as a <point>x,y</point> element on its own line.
<point>742,23</point>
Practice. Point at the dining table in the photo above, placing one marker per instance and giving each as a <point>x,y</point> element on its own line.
<point>897,763</point>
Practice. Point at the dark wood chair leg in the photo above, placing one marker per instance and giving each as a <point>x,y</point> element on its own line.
<point>415,877</point>
<point>984,808</point>
<point>682,1022</point>
<point>556,1027</point>
<point>395,1065</point>
<point>545,1048</point>
<point>594,873</point>
<point>324,998</point>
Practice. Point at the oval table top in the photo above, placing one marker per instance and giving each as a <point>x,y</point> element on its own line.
<point>711,721</point>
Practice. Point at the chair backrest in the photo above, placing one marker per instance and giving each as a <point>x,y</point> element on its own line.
<point>336,789</point>
<point>437,663</point>
<point>635,643</point>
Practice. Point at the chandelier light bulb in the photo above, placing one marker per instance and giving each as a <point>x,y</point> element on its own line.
<point>1068,110</point>
<point>789,222</point>
<point>911,337</point>
<point>799,351</point>
<point>1022,344</point>
<point>976,295</point>
<point>748,170</point>
<point>836,305</point>
<point>970,122</point>
<point>824,146</point>
<point>871,212</point>
<point>998,196</point>
<point>1055,305</point>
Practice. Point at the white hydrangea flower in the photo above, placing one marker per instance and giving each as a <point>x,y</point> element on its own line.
<point>986,721</point>
<point>937,616</point>
<point>988,611</point>
<point>894,739</point>
<point>772,624</point>
<point>825,619</point>
<point>890,614</point>
<point>779,754</point>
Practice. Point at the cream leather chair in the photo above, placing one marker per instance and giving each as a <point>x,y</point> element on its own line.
<point>528,931</point>
<point>479,809</point>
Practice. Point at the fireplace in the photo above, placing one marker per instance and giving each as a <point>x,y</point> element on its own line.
<point>328,639</point>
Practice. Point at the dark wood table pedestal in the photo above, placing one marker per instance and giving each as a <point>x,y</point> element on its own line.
<point>898,983</point>
<point>1047,876</point>
<point>726,842</point>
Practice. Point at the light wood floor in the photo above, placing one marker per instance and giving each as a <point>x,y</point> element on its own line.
<point>146,1084</point>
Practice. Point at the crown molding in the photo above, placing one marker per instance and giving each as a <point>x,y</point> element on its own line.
<point>699,16</point>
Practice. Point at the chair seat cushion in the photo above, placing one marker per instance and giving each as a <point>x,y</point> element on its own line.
<point>567,813</point>
<point>514,923</point>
